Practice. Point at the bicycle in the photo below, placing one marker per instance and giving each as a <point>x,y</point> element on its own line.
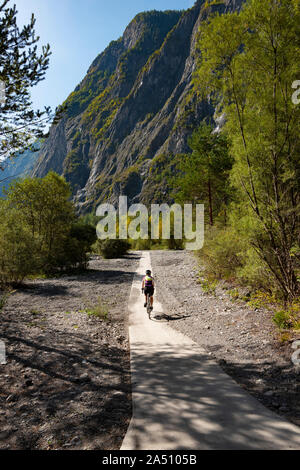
<point>148,306</point>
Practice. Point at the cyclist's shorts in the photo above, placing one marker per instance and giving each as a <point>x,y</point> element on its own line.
<point>149,290</point>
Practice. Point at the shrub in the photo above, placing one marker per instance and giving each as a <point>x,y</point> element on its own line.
<point>221,254</point>
<point>290,317</point>
<point>112,248</point>
<point>234,294</point>
<point>209,287</point>
<point>99,309</point>
<point>3,300</point>
<point>283,319</point>
<point>90,219</point>
<point>254,272</point>
<point>261,299</point>
<point>284,337</point>
<point>141,244</point>
<point>174,244</point>
<point>227,255</point>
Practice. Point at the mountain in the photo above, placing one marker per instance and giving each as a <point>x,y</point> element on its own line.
<point>133,111</point>
<point>22,165</point>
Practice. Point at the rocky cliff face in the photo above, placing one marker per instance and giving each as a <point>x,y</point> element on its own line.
<point>130,115</point>
<point>18,167</point>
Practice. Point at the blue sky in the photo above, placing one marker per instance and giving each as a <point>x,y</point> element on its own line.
<point>77,31</point>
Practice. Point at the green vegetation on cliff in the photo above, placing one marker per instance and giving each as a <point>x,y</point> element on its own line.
<point>109,81</point>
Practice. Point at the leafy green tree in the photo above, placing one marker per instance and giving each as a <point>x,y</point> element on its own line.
<point>18,249</point>
<point>78,244</point>
<point>44,207</point>
<point>21,67</point>
<point>203,175</point>
<point>39,231</point>
<point>248,63</point>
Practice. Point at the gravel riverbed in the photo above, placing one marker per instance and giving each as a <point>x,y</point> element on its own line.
<point>66,384</point>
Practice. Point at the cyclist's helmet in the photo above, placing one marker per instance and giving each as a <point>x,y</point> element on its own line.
<point>148,272</point>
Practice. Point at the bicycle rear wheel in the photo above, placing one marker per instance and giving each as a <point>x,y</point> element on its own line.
<point>148,305</point>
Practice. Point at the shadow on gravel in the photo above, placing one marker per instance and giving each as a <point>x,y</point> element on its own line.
<point>55,396</point>
<point>62,390</point>
<point>64,387</point>
<point>52,288</point>
<point>128,256</point>
<point>106,276</point>
<point>157,316</point>
<point>133,256</point>
<point>189,393</point>
<point>259,382</point>
<point>44,289</point>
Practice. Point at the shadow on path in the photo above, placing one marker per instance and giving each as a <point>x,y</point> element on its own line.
<point>183,393</point>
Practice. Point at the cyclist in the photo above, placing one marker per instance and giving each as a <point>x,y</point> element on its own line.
<point>148,287</point>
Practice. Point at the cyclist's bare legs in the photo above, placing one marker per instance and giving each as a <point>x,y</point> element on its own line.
<point>151,300</point>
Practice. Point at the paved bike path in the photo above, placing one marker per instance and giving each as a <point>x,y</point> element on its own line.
<point>183,400</point>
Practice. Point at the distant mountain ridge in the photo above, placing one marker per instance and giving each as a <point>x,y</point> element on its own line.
<point>18,167</point>
<point>130,114</point>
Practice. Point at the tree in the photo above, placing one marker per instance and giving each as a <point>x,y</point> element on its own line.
<point>203,175</point>
<point>21,67</point>
<point>44,207</point>
<point>18,249</point>
<point>247,61</point>
<point>39,232</point>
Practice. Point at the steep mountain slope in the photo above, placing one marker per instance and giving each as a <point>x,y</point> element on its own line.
<point>131,114</point>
